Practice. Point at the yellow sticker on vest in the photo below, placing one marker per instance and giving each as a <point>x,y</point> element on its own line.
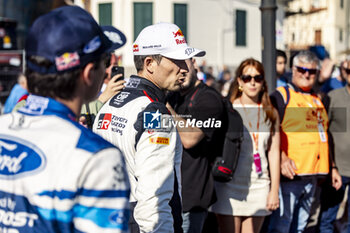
<point>159,140</point>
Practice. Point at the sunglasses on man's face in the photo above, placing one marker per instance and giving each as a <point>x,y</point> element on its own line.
<point>247,78</point>
<point>303,70</point>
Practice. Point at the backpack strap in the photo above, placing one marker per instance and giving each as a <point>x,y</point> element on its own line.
<point>234,135</point>
<point>284,91</point>
<point>190,104</point>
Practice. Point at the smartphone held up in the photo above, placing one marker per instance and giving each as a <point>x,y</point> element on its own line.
<point>117,70</point>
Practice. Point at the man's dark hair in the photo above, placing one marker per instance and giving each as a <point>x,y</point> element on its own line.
<point>280,53</point>
<point>140,59</point>
<point>61,85</point>
<point>208,76</point>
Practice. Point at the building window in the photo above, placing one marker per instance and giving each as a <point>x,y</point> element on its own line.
<point>143,16</point>
<point>340,35</point>
<point>105,13</point>
<point>180,17</point>
<point>241,28</point>
<point>341,4</point>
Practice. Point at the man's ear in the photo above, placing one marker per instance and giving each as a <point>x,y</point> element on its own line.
<point>86,74</point>
<point>150,64</point>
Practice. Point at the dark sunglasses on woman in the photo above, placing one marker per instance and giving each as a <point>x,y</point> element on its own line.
<point>247,78</point>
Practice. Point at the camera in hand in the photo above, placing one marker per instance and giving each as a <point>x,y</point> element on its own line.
<point>117,70</point>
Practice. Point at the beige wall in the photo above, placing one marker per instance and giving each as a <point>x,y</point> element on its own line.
<point>210,27</point>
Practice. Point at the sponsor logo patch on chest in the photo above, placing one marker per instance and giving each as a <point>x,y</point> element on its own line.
<point>159,140</point>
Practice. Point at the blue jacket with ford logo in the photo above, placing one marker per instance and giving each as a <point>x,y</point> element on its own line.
<point>57,176</point>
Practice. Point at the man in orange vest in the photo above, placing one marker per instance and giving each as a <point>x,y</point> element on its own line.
<point>304,146</point>
<point>338,112</point>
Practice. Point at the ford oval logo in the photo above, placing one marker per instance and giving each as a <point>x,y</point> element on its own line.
<point>19,158</point>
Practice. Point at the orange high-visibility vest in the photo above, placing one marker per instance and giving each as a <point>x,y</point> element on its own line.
<point>301,132</point>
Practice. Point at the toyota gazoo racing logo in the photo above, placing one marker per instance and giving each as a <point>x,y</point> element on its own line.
<point>19,158</point>
<point>122,96</point>
<point>104,121</point>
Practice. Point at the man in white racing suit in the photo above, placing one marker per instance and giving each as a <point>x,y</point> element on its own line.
<point>55,175</point>
<point>137,121</point>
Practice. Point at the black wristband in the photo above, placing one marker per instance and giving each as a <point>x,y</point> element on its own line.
<point>335,167</point>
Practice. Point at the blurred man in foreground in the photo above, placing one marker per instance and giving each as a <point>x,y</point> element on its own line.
<point>57,176</point>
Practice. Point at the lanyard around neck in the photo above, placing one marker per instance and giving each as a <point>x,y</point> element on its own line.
<point>256,134</point>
